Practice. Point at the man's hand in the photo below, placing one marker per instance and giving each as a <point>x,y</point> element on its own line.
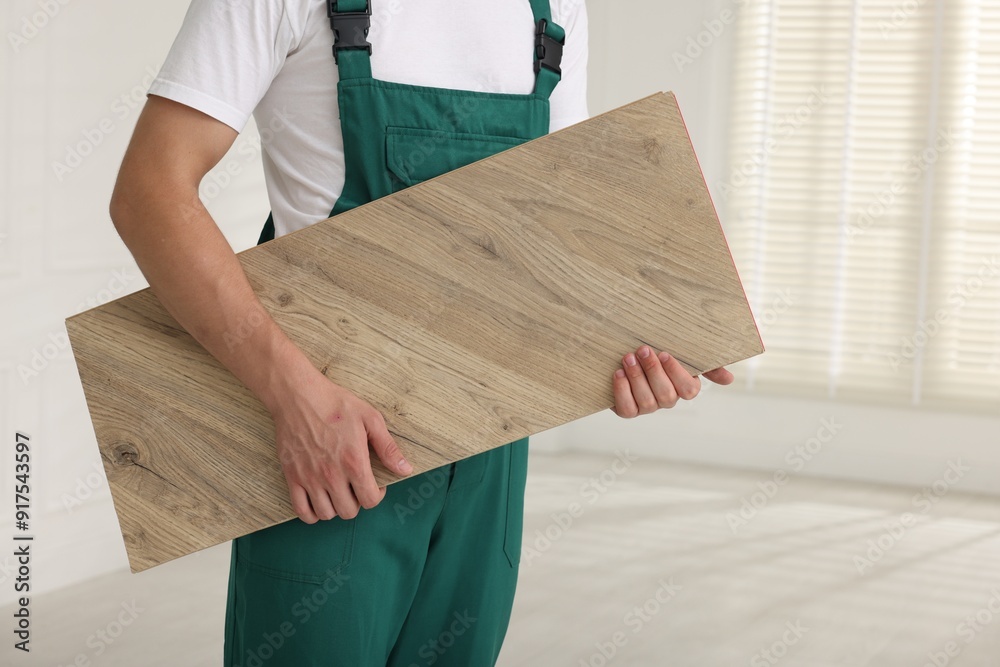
<point>323,432</point>
<point>647,382</point>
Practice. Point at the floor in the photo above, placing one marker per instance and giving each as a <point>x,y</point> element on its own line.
<point>648,563</point>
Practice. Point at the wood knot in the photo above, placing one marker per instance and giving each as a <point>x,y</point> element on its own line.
<point>124,454</point>
<point>486,243</point>
<point>284,299</point>
<point>652,149</point>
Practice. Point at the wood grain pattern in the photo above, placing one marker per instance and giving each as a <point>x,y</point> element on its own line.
<point>482,306</point>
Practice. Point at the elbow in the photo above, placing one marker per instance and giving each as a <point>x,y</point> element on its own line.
<point>131,204</point>
<point>119,210</point>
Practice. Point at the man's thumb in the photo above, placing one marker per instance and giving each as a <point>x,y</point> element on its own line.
<point>386,448</point>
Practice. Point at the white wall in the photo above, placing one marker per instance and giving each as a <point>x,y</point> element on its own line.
<point>73,85</point>
<point>632,54</point>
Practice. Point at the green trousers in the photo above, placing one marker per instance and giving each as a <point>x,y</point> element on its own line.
<point>425,578</point>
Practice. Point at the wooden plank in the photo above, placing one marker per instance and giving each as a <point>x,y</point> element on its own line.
<point>482,306</point>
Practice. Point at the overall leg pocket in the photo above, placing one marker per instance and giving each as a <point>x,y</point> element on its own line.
<point>298,551</point>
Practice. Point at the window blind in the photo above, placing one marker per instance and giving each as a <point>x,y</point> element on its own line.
<point>862,199</point>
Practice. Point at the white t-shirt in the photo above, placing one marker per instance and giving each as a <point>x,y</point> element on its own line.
<point>273,59</point>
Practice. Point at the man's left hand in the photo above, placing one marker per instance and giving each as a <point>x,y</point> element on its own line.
<point>649,381</point>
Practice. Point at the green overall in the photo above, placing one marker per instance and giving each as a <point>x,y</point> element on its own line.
<point>427,577</point>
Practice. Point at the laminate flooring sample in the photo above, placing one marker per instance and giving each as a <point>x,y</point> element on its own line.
<point>471,310</point>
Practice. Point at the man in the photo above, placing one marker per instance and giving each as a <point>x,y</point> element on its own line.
<point>391,581</point>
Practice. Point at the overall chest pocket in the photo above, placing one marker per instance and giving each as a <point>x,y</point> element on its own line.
<point>414,155</point>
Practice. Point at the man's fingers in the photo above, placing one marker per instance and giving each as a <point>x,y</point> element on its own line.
<point>300,503</point>
<point>687,386</point>
<point>363,481</point>
<point>322,506</point>
<point>663,389</point>
<point>624,402</point>
<point>641,391</point>
<point>368,492</point>
<point>346,506</point>
<point>385,447</point>
<point>649,381</point>
<point>720,376</point>
<point>328,466</point>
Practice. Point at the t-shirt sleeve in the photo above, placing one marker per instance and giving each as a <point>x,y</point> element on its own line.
<point>568,103</point>
<point>225,56</point>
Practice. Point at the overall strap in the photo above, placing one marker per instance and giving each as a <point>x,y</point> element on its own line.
<point>351,20</point>
<point>549,41</point>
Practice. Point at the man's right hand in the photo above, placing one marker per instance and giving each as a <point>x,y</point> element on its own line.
<point>323,432</point>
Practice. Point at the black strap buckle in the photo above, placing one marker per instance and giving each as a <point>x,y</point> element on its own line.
<point>350,29</point>
<point>548,51</point>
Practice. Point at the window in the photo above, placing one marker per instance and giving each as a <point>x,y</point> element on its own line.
<point>863,201</point>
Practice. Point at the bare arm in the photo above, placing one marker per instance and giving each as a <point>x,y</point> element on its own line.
<point>322,430</point>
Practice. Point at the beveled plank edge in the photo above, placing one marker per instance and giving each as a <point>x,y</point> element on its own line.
<point>718,219</point>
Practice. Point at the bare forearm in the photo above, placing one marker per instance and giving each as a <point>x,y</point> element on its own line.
<point>194,272</point>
